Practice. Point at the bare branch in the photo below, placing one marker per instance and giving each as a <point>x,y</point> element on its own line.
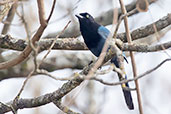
<point>66,88</point>
<point>58,94</point>
<point>146,48</point>
<point>52,9</point>
<point>27,50</point>
<point>53,43</point>
<point>129,39</point>
<point>42,20</point>
<point>133,79</point>
<point>24,54</point>
<point>147,30</point>
<point>7,42</point>
<point>5,7</point>
<point>63,108</point>
<point>9,18</point>
<point>105,18</point>
<point>44,99</point>
<point>46,73</point>
<point>36,64</point>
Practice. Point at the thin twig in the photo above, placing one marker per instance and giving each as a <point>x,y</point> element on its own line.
<point>129,39</point>
<point>37,65</point>
<point>120,20</point>
<point>63,108</point>
<point>113,84</point>
<point>105,18</point>
<point>53,43</point>
<point>133,79</point>
<point>51,12</point>
<point>42,71</point>
<point>102,72</point>
<point>41,12</point>
<point>30,74</point>
<point>23,85</point>
<point>28,49</point>
<point>158,37</point>
<point>61,92</point>
<point>10,17</point>
<point>66,88</point>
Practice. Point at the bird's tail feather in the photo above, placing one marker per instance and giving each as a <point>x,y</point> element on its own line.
<point>128,96</point>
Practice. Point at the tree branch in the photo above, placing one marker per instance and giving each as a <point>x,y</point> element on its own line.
<point>61,92</point>
<point>147,30</point>
<point>9,18</point>
<point>7,42</point>
<point>41,12</point>
<point>133,79</point>
<point>63,108</point>
<point>105,19</point>
<point>146,48</point>
<point>28,49</point>
<point>134,67</point>
<point>58,94</point>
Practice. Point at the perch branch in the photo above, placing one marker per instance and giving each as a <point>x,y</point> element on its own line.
<point>8,42</point>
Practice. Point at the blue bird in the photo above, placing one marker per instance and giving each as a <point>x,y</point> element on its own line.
<point>95,36</point>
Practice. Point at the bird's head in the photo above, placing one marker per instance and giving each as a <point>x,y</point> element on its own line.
<point>85,18</point>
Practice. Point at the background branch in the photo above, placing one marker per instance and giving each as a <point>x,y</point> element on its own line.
<point>7,42</point>
<point>61,92</point>
<point>147,30</point>
<point>26,23</point>
<point>105,19</point>
<point>134,67</point>
<point>28,49</point>
<point>58,94</point>
<point>64,108</point>
<point>133,79</point>
<point>9,18</point>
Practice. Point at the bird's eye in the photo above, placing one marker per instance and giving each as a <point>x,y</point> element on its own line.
<point>87,16</point>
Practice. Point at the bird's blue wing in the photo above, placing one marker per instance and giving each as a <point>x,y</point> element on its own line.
<point>103,32</point>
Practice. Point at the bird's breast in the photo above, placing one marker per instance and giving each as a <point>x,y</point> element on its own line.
<point>92,39</point>
<point>95,44</point>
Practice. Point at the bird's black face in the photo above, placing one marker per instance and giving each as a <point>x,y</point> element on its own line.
<point>85,18</point>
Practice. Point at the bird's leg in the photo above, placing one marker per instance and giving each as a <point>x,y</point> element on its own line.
<point>90,62</point>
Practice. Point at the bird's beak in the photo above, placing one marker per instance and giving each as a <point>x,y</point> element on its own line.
<point>79,16</point>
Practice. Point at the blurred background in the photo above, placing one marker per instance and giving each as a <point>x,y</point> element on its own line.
<point>90,97</point>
